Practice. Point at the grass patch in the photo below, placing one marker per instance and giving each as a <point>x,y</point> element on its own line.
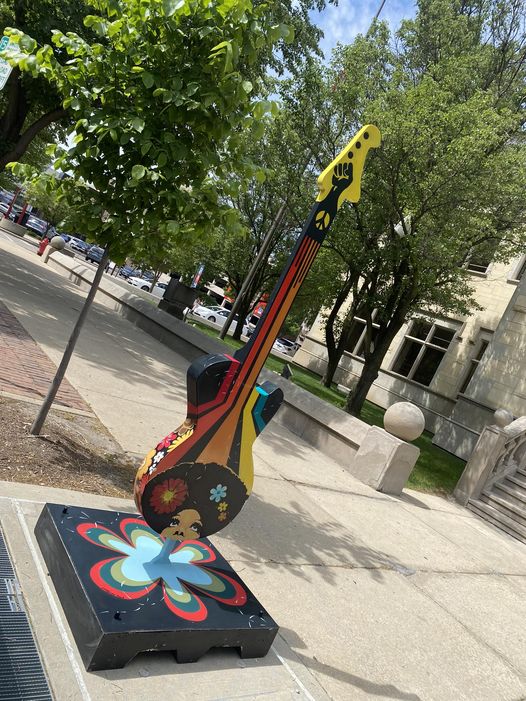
<point>436,470</point>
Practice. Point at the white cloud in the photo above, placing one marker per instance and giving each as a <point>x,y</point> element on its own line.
<point>343,22</point>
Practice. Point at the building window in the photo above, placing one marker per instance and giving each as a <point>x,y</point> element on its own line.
<point>479,264</point>
<point>484,343</point>
<point>423,348</point>
<point>356,343</point>
<point>480,259</point>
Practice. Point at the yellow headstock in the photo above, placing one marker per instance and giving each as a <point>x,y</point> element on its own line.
<point>348,166</point>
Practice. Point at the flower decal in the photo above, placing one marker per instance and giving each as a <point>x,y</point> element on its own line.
<point>143,469</point>
<point>184,578</point>
<point>223,506</point>
<point>158,457</point>
<point>168,496</point>
<point>167,441</point>
<point>222,516</point>
<point>218,493</point>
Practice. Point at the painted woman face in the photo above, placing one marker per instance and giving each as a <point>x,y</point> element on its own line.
<point>186,525</point>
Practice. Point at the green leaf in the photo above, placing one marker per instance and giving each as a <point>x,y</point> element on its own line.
<point>27,43</point>
<point>147,79</point>
<point>170,7</point>
<point>138,124</point>
<point>162,159</point>
<point>261,108</point>
<point>287,32</point>
<point>138,172</point>
<point>172,226</point>
<point>247,86</point>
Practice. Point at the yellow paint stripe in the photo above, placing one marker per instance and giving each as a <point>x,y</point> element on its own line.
<point>248,436</point>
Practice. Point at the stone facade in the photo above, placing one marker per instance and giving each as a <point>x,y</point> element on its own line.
<point>482,369</point>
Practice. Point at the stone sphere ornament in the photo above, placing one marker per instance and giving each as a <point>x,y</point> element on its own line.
<point>57,242</point>
<point>404,420</point>
<point>502,418</point>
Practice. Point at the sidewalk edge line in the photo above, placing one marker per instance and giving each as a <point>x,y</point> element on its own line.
<point>294,676</point>
<point>54,608</point>
<point>54,406</point>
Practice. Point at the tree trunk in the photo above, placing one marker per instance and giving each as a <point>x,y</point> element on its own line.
<point>68,352</point>
<point>29,134</point>
<point>373,362</point>
<point>16,110</point>
<point>332,365</point>
<point>242,311</point>
<point>333,350</point>
<point>356,398</point>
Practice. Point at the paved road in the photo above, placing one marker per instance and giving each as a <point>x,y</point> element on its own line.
<point>377,597</point>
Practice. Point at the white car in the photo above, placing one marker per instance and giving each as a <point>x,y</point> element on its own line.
<point>215,315</point>
<point>146,285</point>
<point>283,345</point>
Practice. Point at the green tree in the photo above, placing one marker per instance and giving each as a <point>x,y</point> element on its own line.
<point>446,184</point>
<point>162,102</point>
<point>31,111</point>
<point>42,195</point>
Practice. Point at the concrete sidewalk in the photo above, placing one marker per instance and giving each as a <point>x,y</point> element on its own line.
<point>377,597</point>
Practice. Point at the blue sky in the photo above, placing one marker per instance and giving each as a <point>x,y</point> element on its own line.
<point>343,22</point>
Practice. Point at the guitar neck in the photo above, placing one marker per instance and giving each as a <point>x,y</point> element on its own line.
<point>255,353</point>
<point>338,182</point>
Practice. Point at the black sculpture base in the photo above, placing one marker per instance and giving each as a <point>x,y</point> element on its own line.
<point>123,593</point>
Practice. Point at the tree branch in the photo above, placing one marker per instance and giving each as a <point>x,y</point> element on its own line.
<point>27,137</point>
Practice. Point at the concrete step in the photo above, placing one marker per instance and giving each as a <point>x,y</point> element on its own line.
<point>516,494</point>
<point>492,515</point>
<point>503,502</point>
<point>521,471</point>
<point>518,478</point>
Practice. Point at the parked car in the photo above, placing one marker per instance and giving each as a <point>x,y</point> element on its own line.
<point>283,345</point>
<point>159,289</point>
<point>212,313</point>
<point>35,224</point>
<point>146,285</point>
<point>126,271</point>
<point>79,245</point>
<point>137,281</point>
<point>216,315</point>
<point>6,196</point>
<point>16,210</point>
<point>94,254</point>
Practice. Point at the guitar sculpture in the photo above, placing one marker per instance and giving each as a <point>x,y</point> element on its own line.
<point>197,478</point>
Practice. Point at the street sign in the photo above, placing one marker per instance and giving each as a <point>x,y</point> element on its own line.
<point>5,67</point>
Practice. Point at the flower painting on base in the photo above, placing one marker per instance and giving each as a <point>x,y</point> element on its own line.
<point>125,589</point>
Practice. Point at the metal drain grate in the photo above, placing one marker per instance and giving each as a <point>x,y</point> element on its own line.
<point>21,675</point>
